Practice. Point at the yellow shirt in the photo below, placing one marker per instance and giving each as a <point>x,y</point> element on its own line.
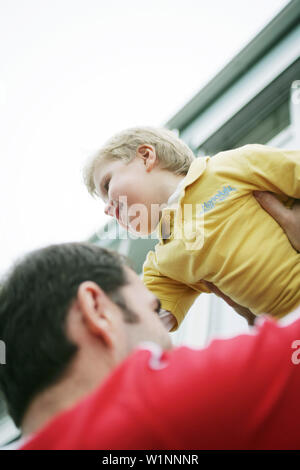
<point>218,232</point>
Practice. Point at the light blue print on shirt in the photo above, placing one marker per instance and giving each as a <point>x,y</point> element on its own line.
<point>221,195</point>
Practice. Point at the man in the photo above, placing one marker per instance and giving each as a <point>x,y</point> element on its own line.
<point>73,317</point>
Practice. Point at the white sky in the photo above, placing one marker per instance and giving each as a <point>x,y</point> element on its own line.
<point>74,72</point>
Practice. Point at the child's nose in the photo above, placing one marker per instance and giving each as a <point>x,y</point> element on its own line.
<point>109,210</point>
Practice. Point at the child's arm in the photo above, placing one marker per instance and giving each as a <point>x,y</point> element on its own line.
<point>175,297</point>
<point>259,167</point>
<point>168,319</point>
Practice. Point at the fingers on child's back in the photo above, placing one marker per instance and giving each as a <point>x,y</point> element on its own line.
<point>274,207</point>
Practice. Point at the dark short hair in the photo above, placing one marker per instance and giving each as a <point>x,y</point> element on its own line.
<point>35,297</point>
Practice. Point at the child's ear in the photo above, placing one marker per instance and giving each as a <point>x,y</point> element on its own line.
<point>148,154</point>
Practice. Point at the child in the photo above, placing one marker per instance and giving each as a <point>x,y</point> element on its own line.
<point>211,228</point>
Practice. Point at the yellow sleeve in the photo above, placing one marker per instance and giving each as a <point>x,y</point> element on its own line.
<point>264,168</point>
<point>175,296</point>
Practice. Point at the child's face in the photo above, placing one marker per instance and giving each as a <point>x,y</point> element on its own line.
<point>132,193</point>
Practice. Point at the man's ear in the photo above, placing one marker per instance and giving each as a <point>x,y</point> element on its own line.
<point>148,154</point>
<point>96,310</point>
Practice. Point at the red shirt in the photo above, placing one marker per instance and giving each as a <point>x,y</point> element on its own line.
<point>238,393</point>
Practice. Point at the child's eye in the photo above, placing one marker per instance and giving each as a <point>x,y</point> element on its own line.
<point>106,186</point>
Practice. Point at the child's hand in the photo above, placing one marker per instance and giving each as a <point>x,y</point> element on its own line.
<point>288,219</point>
<point>243,311</point>
<point>168,319</point>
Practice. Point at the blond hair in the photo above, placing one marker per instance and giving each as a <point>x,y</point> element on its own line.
<point>173,154</point>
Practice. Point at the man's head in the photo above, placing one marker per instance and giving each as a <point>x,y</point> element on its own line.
<point>66,306</point>
<point>135,172</point>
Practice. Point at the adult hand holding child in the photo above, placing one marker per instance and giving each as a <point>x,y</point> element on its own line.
<point>288,219</point>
